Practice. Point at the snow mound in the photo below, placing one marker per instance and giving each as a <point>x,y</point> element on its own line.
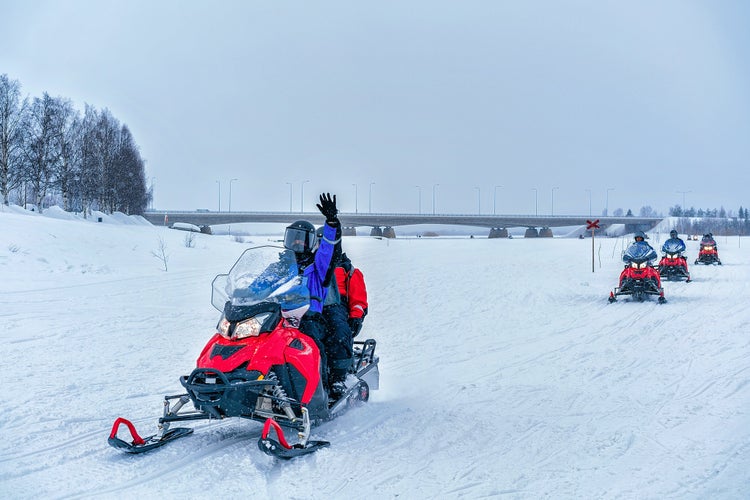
<point>56,212</point>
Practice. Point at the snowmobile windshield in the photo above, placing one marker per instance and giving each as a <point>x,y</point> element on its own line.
<point>262,274</point>
<point>708,241</point>
<point>639,252</point>
<point>673,246</point>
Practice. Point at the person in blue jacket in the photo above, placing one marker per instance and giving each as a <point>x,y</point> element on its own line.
<point>674,244</point>
<point>316,262</point>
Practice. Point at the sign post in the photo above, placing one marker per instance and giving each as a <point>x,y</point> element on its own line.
<point>593,226</point>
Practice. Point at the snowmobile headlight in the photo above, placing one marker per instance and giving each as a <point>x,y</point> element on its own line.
<point>708,247</point>
<point>223,327</point>
<point>672,255</point>
<point>250,327</point>
<point>639,265</point>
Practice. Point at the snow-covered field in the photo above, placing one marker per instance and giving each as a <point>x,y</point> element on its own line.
<point>504,371</point>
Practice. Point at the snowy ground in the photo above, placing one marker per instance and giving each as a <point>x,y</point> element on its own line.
<point>504,371</point>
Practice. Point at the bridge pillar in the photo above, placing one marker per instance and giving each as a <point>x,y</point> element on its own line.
<point>389,232</point>
<point>498,233</point>
<point>531,233</point>
<point>348,231</point>
<point>545,233</point>
<point>376,231</point>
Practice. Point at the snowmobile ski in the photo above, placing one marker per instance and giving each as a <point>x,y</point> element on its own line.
<point>142,445</point>
<point>281,449</point>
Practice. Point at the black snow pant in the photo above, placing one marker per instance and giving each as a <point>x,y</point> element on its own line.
<point>338,341</point>
<point>313,325</point>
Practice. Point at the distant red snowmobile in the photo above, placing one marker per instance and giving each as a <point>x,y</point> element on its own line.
<point>673,265</point>
<point>708,253</point>
<point>258,365</point>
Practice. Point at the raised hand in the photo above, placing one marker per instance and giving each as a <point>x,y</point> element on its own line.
<point>327,207</point>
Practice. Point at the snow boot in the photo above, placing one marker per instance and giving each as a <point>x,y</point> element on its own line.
<point>337,384</point>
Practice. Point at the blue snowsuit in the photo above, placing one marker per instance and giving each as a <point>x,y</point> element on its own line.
<point>320,280</point>
<point>318,274</point>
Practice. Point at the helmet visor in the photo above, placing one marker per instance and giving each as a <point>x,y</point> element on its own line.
<point>298,240</point>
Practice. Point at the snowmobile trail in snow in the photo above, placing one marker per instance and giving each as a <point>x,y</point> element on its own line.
<point>511,359</point>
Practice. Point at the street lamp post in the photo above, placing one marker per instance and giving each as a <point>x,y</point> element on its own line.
<point>419,188</point>
<point>290,197</point>
<point>302,196</point>
<point>356,203</point>
<point>230,194</point>
<point>219,183</point>
<point>433,197</point>
<point>682,228</point>
<point>369,200</point>
<point>606,205</point>
<point>479,200</point>
<point>536,201</point>
<point>552,209</point>
<point>494,200</point>
<point>589,192</point>
<point>683,199</point>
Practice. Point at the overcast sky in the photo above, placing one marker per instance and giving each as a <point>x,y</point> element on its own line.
<point>547,99</point>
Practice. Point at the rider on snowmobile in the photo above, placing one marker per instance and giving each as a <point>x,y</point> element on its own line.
<point>639,240</point>
<point>708,239</point>
<point>674,244</point>
<point>353,292</point>
<point>316,264</point>
<point>338,339</point>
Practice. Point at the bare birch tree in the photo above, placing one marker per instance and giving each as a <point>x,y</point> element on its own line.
<point>41,148</point>
<point>12,129</point>
<point>67,170</point>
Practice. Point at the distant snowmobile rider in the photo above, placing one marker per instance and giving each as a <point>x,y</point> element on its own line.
<point>674,241</point>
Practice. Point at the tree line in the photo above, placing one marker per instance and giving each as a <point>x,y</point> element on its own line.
<point>51,153</point>
<point>712,220</point>
<point>701,221</point>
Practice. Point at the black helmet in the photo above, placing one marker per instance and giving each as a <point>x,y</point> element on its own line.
<point>673,233</point>
<point>639,234</point>
<point>299,237</point>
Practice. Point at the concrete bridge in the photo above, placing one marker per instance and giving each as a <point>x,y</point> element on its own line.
<point>383,224</point>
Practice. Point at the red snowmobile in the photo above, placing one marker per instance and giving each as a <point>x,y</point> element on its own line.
<point>708,253</point>
<point>673,265</point>
<point>639,278</point>
<point>258,365</point>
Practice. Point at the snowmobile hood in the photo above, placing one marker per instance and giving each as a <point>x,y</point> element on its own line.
<point>640,252</point>
<point>673,246</point>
